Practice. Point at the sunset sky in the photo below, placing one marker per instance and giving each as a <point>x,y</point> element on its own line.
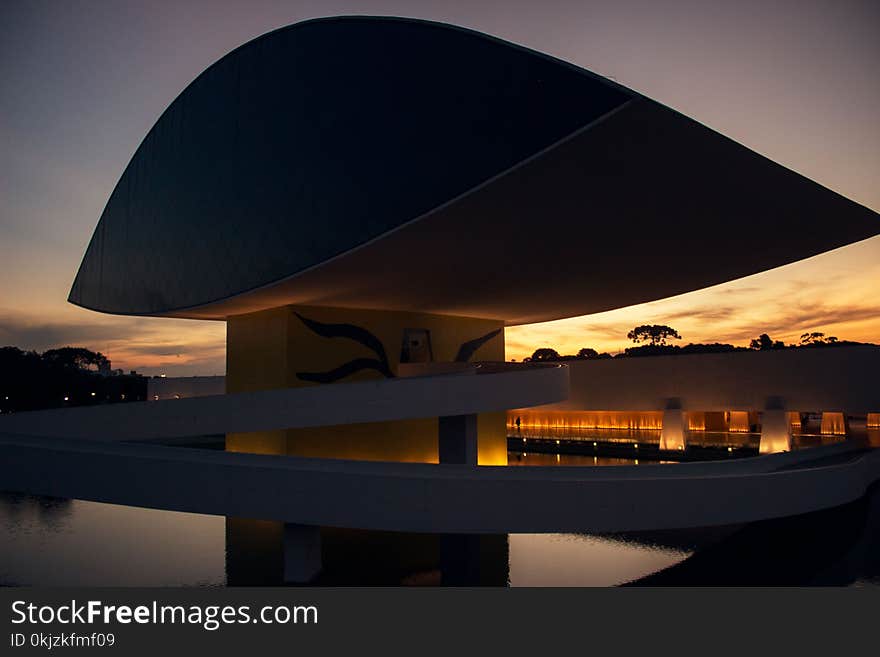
<point>81,84</point>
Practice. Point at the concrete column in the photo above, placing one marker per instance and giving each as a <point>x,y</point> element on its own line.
<point>775,428</point>
<point>302,553</point>
<point>672,434</point>
<point>835,423</point>
<point>457,436</point>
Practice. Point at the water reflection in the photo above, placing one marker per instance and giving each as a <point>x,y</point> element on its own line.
<point>836,546</point>
<point>717,439</point>
<point>589,560</point>
<point>537,458</point>
<point>25,510</point>
<point>51,542</point>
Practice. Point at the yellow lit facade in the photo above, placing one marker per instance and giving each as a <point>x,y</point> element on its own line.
<point>277,349</point>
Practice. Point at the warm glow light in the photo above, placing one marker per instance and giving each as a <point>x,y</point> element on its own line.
<point>625,420</point>
<point>775,432</point>
<point>739,421</point>
<point>834,423</point>
<point>673,434</point>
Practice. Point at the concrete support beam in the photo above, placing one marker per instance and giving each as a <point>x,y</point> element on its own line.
<point>457,436</point>
<point>302,553</point>
<point>672,434</point>
<point>406,497</point>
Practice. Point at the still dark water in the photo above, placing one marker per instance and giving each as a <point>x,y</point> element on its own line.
<point>58,542</point>
<point>54,542</point>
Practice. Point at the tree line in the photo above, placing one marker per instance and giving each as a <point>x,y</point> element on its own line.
<point>69,376</point>
<point>655,339</point>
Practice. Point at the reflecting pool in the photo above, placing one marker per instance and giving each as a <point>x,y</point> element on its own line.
<point>57,542</point>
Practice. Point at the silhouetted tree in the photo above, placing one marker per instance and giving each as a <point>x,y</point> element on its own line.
<point>764,342</point>
<point>816,337</point>
<point>655,334</point>
<point>545,354</point>
<point>75,357</point>
<point>61,377</point>
<point>586,352</point>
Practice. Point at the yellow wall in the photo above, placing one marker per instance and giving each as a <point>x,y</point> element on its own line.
<point>256,359</point>
<point>267,349</point>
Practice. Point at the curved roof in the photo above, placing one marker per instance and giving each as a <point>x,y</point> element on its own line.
<point>401,164</point>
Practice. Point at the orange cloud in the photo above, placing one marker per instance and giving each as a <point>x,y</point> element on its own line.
<point>835,293</point>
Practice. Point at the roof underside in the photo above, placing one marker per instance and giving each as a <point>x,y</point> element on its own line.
<point>393,164</point>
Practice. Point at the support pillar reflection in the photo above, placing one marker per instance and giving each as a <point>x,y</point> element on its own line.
<point>474,560</point>
<point>254,554</point>
<point>302,553</point>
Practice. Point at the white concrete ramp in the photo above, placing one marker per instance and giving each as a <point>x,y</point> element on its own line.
<point>82,453</point>
<point>438,498</point>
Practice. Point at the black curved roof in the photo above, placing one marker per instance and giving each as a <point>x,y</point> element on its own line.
<point>299,150</point>
<point>316,138</point>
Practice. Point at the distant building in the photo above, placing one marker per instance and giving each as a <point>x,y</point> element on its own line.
<point>184,386</point>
